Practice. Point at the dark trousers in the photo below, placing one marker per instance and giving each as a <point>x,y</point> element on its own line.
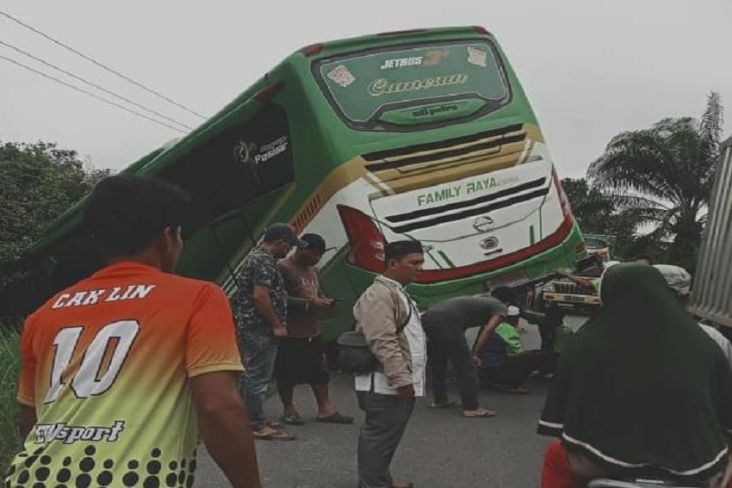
<point>447,344</point>
<point>386,420</point>
<point>517,369</point>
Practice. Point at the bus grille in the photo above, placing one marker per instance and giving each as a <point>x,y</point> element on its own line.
<point>447,152</point>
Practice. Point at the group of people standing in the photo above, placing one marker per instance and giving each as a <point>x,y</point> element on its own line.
<point>279,299</point>
<point>123,370</point>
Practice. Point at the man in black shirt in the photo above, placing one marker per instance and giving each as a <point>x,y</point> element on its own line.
<point>445,324</point>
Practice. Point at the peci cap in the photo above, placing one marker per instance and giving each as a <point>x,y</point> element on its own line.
<point>399,249</point>
<point>677,278</point>
<point>285,232</point>
<point>313,242</point>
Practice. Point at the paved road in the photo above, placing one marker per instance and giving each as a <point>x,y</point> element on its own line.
<point>440,450</point>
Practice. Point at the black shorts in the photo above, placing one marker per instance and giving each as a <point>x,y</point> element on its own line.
<point>300,361</point>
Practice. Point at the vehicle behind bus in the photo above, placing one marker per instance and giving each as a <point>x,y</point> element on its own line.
<point>712,300</point>
<point>423,134</point>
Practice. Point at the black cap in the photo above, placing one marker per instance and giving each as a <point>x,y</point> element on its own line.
<point>313,243</point>
<point>399,249</point>
<point>285,232</point>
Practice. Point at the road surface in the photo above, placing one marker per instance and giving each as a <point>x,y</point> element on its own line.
<point>441,449</point>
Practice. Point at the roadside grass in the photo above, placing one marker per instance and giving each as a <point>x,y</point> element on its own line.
<point>9,370</point>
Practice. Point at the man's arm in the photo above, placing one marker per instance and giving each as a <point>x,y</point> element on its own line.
<point>307,304</point>
<point>27,420</point>
<point>581,281</point>
<point>224,425</point>
<point>485,335</point>
<point>263,302</point>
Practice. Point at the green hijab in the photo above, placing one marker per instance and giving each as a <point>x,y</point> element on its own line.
<point>642,385</point>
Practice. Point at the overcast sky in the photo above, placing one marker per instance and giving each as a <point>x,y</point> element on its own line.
<point>591,69</point>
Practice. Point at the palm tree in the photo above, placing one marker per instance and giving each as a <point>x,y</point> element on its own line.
<point>663,177</point>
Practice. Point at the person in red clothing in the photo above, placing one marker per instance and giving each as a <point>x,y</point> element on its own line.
<point>122,370</point>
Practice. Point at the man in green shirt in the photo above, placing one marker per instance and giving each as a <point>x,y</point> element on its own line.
<point>503,362</point>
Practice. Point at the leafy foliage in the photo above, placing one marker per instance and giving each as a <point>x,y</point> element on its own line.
<point>39,182</point>
<point>662,177</point>
<point>9,370</point>
<point>596,213</point>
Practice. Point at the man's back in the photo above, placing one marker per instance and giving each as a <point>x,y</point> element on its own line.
<point>466,311</point>
<point>106,365</point>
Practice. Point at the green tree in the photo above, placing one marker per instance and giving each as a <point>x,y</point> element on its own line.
<point>662,177</point>
<point>39,182</point>
<point>591,207</point>
<point>596,214</point>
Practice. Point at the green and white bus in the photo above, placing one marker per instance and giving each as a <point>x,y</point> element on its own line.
<point>423,134</point>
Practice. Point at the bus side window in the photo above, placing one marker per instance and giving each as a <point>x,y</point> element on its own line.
<point>240,164</point>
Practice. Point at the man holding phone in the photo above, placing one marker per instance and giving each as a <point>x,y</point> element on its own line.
<point>301,357</point>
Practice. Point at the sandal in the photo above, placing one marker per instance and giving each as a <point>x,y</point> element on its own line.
<point>479,413</point>
<point>292,419</point>
<point>273,435</point>
<point>336,418</point>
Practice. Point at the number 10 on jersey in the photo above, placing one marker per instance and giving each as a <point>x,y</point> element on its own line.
<point>89,380</point>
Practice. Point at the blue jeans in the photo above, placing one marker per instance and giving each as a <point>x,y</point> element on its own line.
<point>260,352</point>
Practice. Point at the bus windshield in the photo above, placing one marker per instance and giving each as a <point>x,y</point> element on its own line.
<point>415,85</point>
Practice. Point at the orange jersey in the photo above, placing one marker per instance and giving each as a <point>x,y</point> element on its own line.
<point>106,365</point>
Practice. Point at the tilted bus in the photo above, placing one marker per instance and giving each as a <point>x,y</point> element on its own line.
<point>423,134</point>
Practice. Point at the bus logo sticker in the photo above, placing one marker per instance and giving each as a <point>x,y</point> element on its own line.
<point>402,62</point>
<point>483,223</point>
<point>382,86</point>
<point>253,155</point>
<point>341,76</point>
<point>489,243</point>
<point>477,57</point>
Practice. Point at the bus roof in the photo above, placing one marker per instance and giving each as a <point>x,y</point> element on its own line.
<point>384,39</point>
<point>166,155</point>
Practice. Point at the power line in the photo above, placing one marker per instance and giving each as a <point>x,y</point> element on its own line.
<point>94,61</point>
<point>79,78</point>
<point>86,92</point>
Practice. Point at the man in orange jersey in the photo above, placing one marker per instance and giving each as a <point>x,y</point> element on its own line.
<point>121,370</point>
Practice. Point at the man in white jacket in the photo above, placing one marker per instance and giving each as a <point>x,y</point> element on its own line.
<point>389,320</point>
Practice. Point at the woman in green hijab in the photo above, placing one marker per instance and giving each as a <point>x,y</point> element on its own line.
<point>642,390</point>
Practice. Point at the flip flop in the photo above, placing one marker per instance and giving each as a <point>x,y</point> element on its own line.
<point>336,418</point>
<point>486,413</point>
<point>276,435</point>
